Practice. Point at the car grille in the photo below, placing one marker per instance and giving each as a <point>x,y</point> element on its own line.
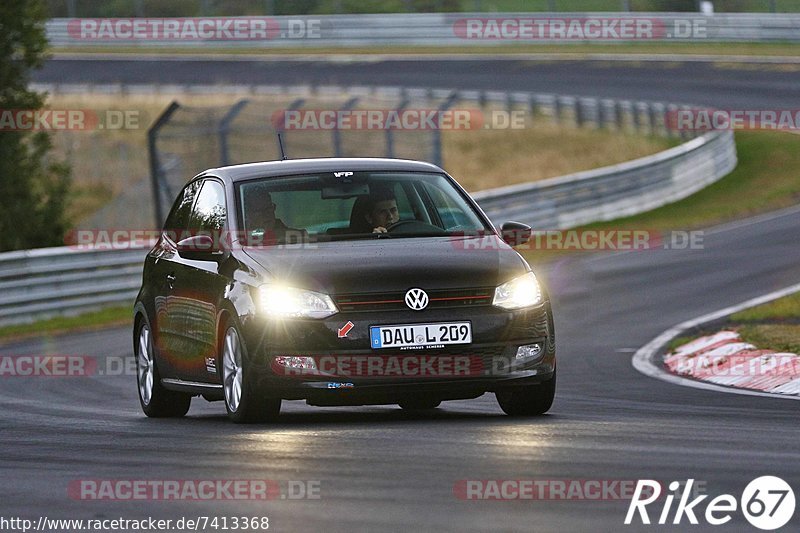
<point>439,299</point>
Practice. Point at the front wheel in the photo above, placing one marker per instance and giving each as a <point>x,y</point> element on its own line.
<point>156,401</point>
<point>530,400</point>
<point>244,403</point>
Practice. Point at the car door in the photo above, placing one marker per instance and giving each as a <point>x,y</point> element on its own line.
<point>162,277</point>
<point>199,288</point>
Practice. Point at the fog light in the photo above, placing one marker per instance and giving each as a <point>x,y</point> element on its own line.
<point>294,364</point>
<point>529,351</point>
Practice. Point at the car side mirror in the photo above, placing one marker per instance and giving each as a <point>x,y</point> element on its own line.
<point>200,248</point>
<point>515,233</point>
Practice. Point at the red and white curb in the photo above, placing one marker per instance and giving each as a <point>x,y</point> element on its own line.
<point>724,359</point>
<point>713,370</point>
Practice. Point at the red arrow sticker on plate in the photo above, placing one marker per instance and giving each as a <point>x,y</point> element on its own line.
<point>344,330</point>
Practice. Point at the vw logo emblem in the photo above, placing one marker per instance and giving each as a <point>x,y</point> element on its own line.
<point>416,299</point>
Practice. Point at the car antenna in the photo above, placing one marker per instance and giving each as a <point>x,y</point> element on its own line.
<point>280,147</point>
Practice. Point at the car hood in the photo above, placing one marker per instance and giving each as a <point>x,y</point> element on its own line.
<point>391,264</point>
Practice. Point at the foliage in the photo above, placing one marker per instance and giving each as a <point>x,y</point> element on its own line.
<point>33,190</point>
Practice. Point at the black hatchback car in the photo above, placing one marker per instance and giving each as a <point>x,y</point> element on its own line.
<point>339,282</point>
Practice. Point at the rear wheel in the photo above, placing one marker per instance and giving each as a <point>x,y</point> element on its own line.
<point>531,400</point>
<point>244,403</point>
<point>156,401</point>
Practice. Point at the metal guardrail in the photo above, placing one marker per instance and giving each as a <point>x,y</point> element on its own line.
<point>615,191</point>
<point>47,282</point>
<point>437,29</point>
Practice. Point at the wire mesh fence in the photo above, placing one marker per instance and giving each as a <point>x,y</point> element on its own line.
<point>324,121</point>
<point>363,122</point>
<point>192,139</point>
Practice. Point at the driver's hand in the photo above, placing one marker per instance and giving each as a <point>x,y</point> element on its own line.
<point>379,229</point>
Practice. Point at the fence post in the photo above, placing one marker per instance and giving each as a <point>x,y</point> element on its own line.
<point>637,116</point>
<point>224,129</point>
<point>671,120</point>
<point>437,133</point>
<point>605,114</point>
<point>653,112</point>
<point>155,165</point>
<point>337,136</point>
<point>389,134</point>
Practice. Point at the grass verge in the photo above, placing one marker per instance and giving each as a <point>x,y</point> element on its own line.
<point>774,325</point>
<point>771,326</point>
<point>783,309</point>
<point>778,337</point>
<point>111,316</point>
<point>765,179</point>
<point>485,159</point>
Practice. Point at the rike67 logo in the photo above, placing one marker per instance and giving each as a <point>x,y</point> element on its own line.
<point>767,503</point>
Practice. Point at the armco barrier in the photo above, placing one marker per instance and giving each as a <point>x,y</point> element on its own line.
<point>58,281</point>
<point>441,29</point>
<point>615,191</point>
<point>55,281</point>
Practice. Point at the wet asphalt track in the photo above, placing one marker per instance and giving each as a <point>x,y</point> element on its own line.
<point>383,469</point>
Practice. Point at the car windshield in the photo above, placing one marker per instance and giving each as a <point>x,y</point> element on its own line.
<point>353,205</point>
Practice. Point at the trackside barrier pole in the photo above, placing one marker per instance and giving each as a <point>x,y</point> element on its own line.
<point>155,165</point>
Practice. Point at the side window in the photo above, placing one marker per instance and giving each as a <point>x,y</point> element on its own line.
<point>209,212</point>
<point>178,218</point>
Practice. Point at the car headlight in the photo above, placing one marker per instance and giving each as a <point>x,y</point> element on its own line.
<point>518,293</point>
<point>287,302</point>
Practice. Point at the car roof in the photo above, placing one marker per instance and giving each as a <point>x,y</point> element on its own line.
<point>267,169</point>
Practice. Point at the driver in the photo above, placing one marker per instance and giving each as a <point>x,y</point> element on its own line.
<point>382,209</point>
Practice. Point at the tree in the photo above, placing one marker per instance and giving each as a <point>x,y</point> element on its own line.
<point>33,189</point>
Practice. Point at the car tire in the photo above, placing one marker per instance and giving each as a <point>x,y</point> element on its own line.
<point>419,404</point>
<point>156,401</point>
<point>530,400</point>
<point>244,403</point>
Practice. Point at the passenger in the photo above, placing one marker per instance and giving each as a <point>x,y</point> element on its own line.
<point>261,223</point>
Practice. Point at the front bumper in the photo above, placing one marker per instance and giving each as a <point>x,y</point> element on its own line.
<point>349,372</point>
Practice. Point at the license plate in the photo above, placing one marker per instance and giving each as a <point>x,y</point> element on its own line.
<point>420,335</point>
